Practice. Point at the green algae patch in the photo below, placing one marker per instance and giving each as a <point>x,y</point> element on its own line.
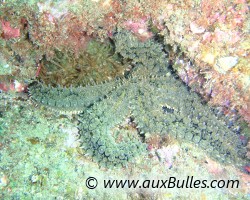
<point>32,156</point>
<point>5,68</point>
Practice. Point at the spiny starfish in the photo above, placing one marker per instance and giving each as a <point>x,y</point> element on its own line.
<point>155,103</point>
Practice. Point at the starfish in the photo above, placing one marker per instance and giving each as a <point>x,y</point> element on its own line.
<point>152,99</point>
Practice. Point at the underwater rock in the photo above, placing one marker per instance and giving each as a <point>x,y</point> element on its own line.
<point>226,63</point>
<point>94,65</point>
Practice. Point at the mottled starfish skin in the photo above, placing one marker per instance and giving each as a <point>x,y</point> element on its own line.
<point>70,99</point>
<point>157,104</point>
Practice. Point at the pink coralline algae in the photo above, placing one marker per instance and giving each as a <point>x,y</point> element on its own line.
<point>13,85</point>
<point>8,31</point>
<point>139,29</point>
<point>245,112</point>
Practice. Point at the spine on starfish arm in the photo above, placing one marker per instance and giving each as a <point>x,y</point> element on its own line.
<point>71,99</point>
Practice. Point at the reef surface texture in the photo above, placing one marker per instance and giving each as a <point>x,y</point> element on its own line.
<point>152,99</point>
